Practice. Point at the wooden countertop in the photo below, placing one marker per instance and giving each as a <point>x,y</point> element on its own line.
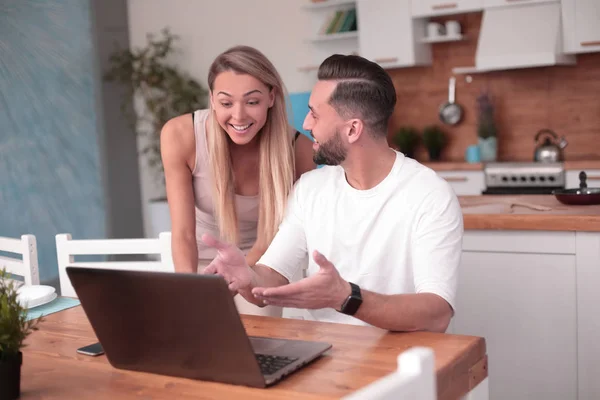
<point>360,355</point>
<point>532,212</point>
<point>575,165</point>
<point>453,166</point>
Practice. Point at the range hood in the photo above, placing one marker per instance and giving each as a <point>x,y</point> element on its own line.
<point>520,36</point>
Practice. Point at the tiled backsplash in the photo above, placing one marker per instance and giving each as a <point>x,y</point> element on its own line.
<point>565,99</point>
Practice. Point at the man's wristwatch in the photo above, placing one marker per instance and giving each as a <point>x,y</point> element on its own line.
<point>353,301</point>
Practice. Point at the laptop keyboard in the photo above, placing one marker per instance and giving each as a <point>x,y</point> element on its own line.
<point>271,364</point>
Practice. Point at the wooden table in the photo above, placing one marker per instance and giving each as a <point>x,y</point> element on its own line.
<point>360,355</point>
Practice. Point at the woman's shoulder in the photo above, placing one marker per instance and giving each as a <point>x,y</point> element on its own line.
<point>178,132</point>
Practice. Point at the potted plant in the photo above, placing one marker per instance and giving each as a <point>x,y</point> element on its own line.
<point>156,91</point>
<point>486,128</point>
<point>434,140</point>
<point>406,139</point>
<point>14,328</point>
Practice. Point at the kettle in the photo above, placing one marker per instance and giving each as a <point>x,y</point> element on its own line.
<point>551,149</point>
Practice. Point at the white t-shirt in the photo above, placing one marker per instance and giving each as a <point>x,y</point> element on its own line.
<point>402,236</point>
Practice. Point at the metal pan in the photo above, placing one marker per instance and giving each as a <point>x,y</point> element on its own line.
<point>583,196</point>
<point>451,113</point>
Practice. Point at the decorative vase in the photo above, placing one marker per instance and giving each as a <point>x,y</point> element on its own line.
<point>10,376</point>
<point>488,149</point>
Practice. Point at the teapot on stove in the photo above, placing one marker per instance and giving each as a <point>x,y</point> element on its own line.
<point>551,150</point>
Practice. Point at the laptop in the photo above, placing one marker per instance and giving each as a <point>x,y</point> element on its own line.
<point>182,325</point>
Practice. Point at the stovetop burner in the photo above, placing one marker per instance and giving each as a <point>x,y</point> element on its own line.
<point>523,177</point>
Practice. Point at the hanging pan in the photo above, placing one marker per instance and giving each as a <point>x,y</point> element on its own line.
<point>451,113</point>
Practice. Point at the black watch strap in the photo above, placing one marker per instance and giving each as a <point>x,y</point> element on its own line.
<point>353,302</point>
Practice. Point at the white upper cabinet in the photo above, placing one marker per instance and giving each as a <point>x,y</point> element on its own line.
<point>587,20</point>
<point>581,25</point>
<point>504,3</point>
<point>432,8</point>
<point>388,36</point>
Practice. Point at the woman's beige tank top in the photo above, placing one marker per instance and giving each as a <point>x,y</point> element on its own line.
<point>246,206</point>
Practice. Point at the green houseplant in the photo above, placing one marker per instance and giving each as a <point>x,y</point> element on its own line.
<point>434,140</point>
<point>406,139</point>
<point>14,328</point>
<point>486,128</point>
<point>156,91</point>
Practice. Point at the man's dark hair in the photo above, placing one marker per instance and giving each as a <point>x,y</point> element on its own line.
<point>364,90</point>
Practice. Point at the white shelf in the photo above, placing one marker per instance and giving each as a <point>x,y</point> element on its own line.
<point>328,4</point>
<point>443,39</point>
<point>468,70</point>
<point>335,36</point>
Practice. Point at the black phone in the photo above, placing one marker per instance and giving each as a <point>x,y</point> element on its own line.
<point>91,349</point>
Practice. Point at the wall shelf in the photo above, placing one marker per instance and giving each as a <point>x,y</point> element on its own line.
<point>443,39</point>
<point>334,36</point>
<point>328,4</point>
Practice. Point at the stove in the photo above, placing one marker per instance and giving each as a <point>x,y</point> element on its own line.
<point>523,177</point>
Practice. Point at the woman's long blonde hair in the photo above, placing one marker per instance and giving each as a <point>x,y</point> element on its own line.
<point>276,155</point>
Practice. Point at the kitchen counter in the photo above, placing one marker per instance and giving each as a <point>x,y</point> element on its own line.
<point>575,165</point>
<point>531,212</point>
<point>453,166</point>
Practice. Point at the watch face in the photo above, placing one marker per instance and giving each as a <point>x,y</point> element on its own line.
<point>352,305</point>
<point>353,302</point>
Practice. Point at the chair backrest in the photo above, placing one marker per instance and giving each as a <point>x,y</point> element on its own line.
<point>414,379</point>
<point>67,249</point>
<point>27,265</point>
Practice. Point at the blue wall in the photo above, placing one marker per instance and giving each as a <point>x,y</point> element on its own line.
<point>50,180</point>
<point>299,109</point>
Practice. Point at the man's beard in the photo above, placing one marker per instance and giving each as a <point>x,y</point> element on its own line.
<point>331,152</point>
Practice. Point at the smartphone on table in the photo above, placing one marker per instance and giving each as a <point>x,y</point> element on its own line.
<point>94,349</point>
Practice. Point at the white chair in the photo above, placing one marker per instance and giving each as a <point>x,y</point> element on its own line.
<point>27,266</point>
<point>414,379</point>
<point>67,248</point>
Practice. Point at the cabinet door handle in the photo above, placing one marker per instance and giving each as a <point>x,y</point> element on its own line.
<point>386,60</point>
<point>595,43</point>
<point>444,6</point>
<point>593,177</point>
<point>458,178</point>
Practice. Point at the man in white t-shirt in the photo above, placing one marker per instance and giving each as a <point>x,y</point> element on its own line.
<point>384,232</point>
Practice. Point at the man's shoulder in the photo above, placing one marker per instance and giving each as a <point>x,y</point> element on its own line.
<point>424,182</point>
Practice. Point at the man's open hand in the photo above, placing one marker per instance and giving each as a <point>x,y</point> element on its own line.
<point>325,289</point>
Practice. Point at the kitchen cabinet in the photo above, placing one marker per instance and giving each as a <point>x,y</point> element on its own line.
<point>533,296</point>
<point>505,3</point>
<point>465,183</point>
<point>388,35</point>
<point>581,25</point>
<point>572,178</point>
<point>432,8</point>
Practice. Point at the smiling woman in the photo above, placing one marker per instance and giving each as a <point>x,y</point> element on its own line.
<point>229,169</point>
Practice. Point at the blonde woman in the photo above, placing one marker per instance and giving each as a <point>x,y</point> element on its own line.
<point>229,169</point>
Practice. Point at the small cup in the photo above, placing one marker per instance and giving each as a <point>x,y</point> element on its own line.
<point>434,30</point>
<point>452,28</point>
<point>472,155</point>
